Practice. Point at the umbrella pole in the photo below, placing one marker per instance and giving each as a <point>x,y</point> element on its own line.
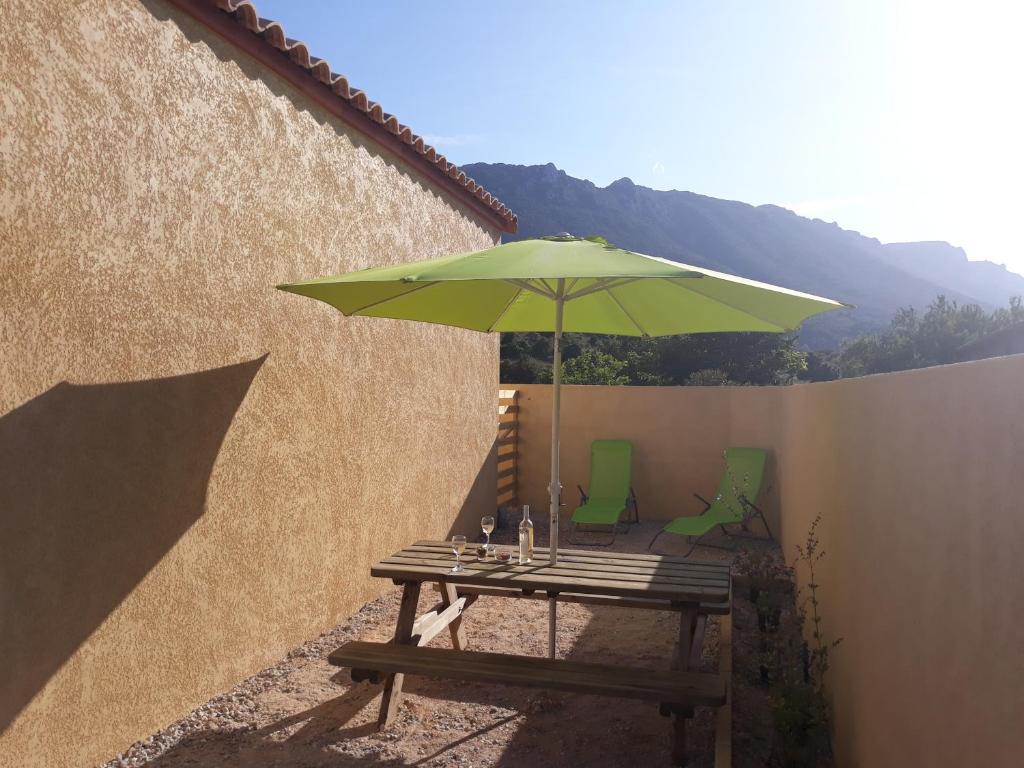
<point>556,485</point>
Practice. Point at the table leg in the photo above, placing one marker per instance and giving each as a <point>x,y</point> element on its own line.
<point>403,636</point>
<point>552,621</point>
<point>681,659</point>
<point>449,594</point>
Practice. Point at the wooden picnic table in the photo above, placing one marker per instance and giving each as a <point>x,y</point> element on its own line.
<point>692,588</point>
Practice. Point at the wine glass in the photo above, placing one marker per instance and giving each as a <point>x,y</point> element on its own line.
<point>458,547</point>
<point>487,524</point>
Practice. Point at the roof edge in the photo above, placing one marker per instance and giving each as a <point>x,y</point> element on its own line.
<point>237,22</point>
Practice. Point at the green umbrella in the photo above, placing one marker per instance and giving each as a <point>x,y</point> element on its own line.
<point>565,283</point>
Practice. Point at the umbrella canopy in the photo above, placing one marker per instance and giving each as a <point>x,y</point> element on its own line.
<point>515,287</point>
<point>565,283</point>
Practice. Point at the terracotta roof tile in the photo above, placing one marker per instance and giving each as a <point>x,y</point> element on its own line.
<point>270,32</point>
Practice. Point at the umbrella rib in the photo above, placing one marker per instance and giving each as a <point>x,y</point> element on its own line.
<point>625,311</point>
<point>526,286</point>
<point>373,304</point>
<point>603,284</point>
<point>508,306</point>
<point>727,304</point>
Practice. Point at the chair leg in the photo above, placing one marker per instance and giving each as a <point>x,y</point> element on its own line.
<point>694,541</point>
<point>693,544</point>
<point>699,542</point>
<point>764,521</point>
<point>575,529</point>
<point>655,539</point>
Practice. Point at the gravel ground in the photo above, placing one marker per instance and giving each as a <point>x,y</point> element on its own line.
<point>304,712</point>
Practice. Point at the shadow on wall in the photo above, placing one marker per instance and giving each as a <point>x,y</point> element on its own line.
<point>481,499</point>
<point>97,483</point>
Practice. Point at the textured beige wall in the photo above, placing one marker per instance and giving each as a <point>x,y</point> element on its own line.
<point>196,470</point>
<point>918,478</point>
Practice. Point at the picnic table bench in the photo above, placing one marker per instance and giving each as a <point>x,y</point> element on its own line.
<point>693,589</point>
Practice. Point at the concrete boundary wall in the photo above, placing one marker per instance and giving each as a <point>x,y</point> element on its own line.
<point>918,477</point>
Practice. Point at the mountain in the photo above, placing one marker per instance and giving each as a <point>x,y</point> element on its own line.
<point>765,242</point>
<point>948,265</point>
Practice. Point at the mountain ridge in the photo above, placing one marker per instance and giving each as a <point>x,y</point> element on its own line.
<point>764,242</point>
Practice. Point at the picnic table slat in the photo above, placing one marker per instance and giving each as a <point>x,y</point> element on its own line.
<point>491,566</point>
<point>573,563</point>
<point>554,583</point>
<point>585,553</point>
<point>644,603</point>
<point>582,677</point>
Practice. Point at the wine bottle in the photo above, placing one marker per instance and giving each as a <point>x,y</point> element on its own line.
<point>525,537</point>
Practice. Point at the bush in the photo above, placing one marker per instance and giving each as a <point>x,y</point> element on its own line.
<point>801,712</point>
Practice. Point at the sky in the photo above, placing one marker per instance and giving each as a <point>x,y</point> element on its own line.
<point>902,119</point>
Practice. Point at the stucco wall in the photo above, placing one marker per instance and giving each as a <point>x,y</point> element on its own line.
<point>918,478</point>
<point>196,470</point>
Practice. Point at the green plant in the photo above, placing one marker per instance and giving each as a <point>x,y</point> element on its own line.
<point>809,553</point>
<point>763,571</point>
<point>708,377</point>
<point>801,714</point>
<point>594,367</point>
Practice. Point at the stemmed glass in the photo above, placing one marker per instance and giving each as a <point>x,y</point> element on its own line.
<point>487,524</point>
<point>458,547</point>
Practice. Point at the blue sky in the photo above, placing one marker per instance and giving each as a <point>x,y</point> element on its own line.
<point>901,118</point>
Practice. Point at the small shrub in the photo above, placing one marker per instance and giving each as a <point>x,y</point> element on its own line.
<point>763,572</point>
<point>800,709</point>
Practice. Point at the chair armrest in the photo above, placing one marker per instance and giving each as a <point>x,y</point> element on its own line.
<point>636,504</point>
<point>705,502</point>
<point>583,495</point>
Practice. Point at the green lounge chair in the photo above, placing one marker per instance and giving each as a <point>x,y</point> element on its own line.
<point>733,503</point>
<point>611,466</point>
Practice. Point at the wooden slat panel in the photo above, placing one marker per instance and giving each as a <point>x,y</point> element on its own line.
<point>603,558</point>
<point>538,580</point>
<point>507,437</point>
<point>581,677</point>
<point>710,609</point>
<point>586,570</point>
<point>578,553</point>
